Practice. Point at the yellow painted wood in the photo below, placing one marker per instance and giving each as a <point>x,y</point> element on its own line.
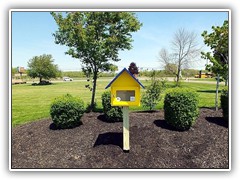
<point>124,80</point>
<point>115,102</point>
<point>126,145</point>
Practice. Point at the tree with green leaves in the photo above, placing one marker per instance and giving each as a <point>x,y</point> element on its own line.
<point>95,38</point>
<point>113,68</point>
<point>218,42</point>
<point>42,67</point>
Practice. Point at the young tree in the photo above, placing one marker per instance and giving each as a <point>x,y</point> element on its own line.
<point>152,95</point>
<point>184,51</point>
<point>95,38</point>
<point>42,67</point>
<point>218,42</point>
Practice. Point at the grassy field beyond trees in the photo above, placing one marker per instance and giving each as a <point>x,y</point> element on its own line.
<point>30,103</point>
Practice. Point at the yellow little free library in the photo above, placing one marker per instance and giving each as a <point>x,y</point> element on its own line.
<point>125,89</point>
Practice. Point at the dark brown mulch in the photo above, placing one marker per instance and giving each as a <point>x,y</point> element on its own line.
<point>98,144</point>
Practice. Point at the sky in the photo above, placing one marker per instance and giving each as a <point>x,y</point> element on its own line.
<point>32,36</point>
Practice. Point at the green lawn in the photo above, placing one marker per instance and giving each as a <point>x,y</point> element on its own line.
<point>30,103</point>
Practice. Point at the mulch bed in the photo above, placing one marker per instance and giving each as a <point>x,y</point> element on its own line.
<point>98,144</point>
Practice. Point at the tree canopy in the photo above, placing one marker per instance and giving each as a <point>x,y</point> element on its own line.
<point>42,67</point>
<point>95,38</point>
<point>218,42</point>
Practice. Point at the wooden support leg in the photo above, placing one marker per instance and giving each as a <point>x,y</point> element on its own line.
<point>125,110</point>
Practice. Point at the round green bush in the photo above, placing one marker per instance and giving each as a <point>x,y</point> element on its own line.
<point>66,111</point>
<point>224,103</point>
<point>112,114</point>
<point>181,108</point>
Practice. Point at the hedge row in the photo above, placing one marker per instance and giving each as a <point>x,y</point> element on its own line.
<point>180,109</point>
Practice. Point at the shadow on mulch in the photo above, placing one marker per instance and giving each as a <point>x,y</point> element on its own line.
<point>103,118</point>
<point>53,126</point>
<point>218,120</point>
<point>96,109</point>
<point>146,111</point>
<point>163,124</point>
<point>110,138</point>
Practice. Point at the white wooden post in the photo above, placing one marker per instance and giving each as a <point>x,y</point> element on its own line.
<point>125,111</point>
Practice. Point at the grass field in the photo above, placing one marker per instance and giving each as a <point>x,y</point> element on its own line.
<point>30,103</point>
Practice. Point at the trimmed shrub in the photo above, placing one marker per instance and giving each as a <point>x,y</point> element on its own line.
<point>224,103</point>
<point>181,108</point>
<point>112,114</point>
<point>66,111</point>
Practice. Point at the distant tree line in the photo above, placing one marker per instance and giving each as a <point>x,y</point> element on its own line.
<point>80,74</point>
<point>166,73</point>
<point>142,73</point>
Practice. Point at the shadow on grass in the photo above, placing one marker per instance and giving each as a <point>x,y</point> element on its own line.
<point>53,126</point>
<point>42,83</point>
<point>218,120</point>
<point>36,84</point>
<point>207,107</point>
<point>110,138</point>
<point>207,91</point>
<point>163,124</point>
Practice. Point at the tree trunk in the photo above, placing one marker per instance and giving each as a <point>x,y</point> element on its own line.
<point>216,98</point>
<point>40,80</point>
<point>178,75</point>
<point>93,90</point>
<point>226,81</point>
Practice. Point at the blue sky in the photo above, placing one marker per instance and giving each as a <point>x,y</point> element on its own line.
<point>32,36</point>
